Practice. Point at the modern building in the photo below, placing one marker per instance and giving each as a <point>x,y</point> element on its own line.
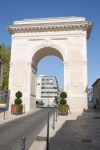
<point>90,94</point>
<point>47,88</point>
<point>96,92</point>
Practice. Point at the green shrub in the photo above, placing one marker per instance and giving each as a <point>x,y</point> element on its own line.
<point>63,101</point>
<point>40,103</point>
<point>18,94</point>
<point>20,107</point>
<point>63,95</point>
<point>18,100</point>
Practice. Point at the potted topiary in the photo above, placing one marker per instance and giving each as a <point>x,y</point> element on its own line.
<point>17,107</point>
<point>63,106</point>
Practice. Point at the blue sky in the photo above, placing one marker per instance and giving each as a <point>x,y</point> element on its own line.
<point>11,10</point>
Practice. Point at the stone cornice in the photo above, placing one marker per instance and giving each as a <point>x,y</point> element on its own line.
<point>49,27</point>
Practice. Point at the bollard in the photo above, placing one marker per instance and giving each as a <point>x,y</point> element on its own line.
<point>53,126</point>
<point>23,143</point>
<point>4,115</point>
<point>47,148</point>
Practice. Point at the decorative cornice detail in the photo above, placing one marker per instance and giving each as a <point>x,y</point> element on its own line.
<point>46,27</point>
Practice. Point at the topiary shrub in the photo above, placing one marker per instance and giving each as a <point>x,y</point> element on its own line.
<point>63,101</point>
<point>17,107</point>
<point>63,106</point>
<point>18,100</point>
<point>18,94</point>
<point>63,95</point>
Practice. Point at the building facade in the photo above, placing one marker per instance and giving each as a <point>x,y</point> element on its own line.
<point>47,89</point>
<point>90,94</point>
<point>96,92</point>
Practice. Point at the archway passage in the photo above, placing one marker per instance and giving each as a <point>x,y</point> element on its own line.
<point>45,90</point>
<point>46,51</point>
<point>64,37</point>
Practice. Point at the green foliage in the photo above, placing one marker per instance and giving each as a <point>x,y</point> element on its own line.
<point>18,100</point>
<point>62,106</point>
<point>5,56</point>
<point>63,95</point>
<point>19,108</point>
<point>63,101</point>
<point>40,103</point>
<point>18,94</point>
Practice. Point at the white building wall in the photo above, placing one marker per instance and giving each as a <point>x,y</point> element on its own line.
<point>46,91</point>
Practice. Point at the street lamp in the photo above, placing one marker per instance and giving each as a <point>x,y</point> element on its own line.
<point>47,146</point>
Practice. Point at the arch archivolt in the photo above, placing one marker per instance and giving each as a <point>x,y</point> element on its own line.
<point>45,49</point>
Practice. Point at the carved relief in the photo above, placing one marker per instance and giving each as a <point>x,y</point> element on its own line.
<point>47,43</point>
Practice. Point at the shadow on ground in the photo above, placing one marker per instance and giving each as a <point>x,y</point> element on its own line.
<point>80,134</point>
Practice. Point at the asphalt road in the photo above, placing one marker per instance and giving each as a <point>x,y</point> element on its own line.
<point>29,126</point>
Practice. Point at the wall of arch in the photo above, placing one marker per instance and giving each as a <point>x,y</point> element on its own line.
<point>26,53</point>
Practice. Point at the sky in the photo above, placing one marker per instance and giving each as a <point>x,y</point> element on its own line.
<point>12,10</point>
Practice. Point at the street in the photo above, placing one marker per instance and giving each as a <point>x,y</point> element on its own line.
<point>12,132</point>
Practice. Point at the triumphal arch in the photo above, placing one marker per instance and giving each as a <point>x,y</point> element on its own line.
<point>33,39</point>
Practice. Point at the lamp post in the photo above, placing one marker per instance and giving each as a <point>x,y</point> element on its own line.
<point>47,146</point>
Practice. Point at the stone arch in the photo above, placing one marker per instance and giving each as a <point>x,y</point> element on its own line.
<point>65,36</point>
<point>37,56</point>
<point>45,51</point>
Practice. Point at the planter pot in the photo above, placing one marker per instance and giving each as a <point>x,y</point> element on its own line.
<point>16,110</point>
<point>63,110</point>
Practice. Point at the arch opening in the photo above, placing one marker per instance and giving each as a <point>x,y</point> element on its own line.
<point>46,90</point>
<point>46,51</point>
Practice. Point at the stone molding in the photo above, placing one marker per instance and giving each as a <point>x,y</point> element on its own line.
<point>45,27</point>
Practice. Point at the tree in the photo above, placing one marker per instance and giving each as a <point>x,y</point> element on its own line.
<point>5,56</point>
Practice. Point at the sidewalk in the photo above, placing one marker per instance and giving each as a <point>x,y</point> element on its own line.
<point>72,132</point>
<point>40,143</point>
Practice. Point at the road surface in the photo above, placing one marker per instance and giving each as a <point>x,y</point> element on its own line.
<point>29,126</point>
